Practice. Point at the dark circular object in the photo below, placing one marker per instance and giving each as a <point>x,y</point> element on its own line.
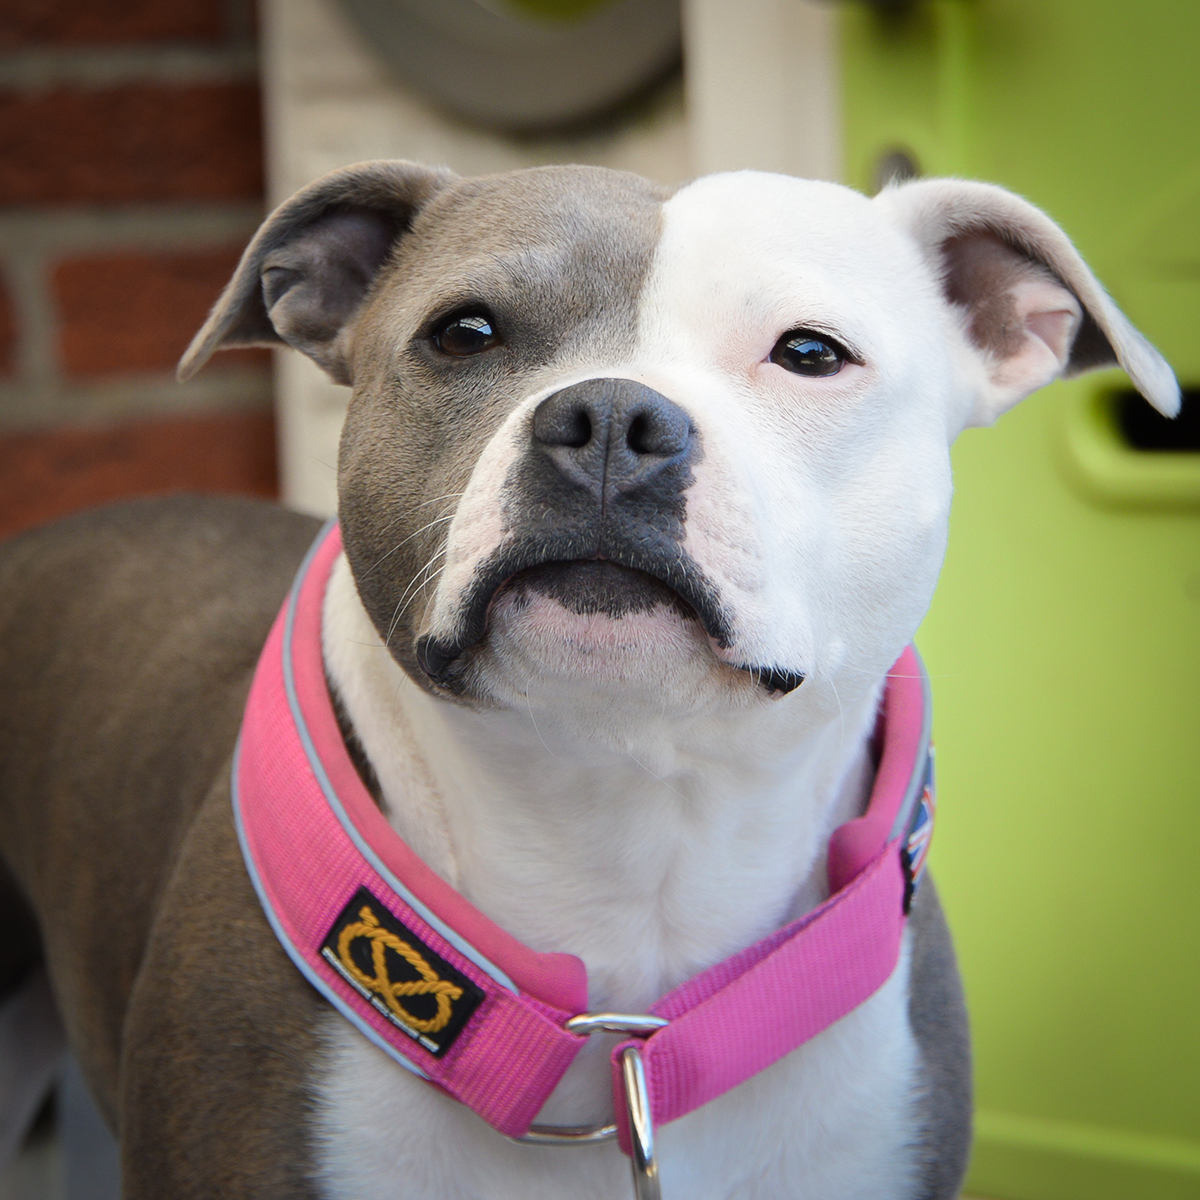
<point>496,66</point>
<point>1143,428</point>
<point>806,353</point>
<point>465,334</point>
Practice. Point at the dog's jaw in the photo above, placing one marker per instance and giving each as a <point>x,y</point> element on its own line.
<point>524,601</point>
<point>549,630</point>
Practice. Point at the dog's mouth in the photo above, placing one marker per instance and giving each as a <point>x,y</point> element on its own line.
<point>596,586</point>
<point>589,588</point>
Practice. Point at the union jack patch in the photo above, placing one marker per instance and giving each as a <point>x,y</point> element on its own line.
<point>920,834</point>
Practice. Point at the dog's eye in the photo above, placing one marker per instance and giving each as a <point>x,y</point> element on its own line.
<point>465,334</point>
<point>806,353</point>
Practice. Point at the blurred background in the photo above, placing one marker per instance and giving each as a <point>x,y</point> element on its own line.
<point>141,142</point>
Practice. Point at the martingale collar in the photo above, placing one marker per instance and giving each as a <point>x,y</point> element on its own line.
<point>454,998</point>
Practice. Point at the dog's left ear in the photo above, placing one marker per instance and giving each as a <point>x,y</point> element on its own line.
<point>303,278</point>
<point>1032,311</point>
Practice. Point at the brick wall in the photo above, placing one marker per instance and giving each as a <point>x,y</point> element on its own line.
<point>130,178</point>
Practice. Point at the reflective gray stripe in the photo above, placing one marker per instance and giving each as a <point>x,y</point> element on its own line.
<point>302,964</point>
<point>916,783</point>
<point>454,938</point>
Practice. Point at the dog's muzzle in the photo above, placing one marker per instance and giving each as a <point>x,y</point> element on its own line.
<point>604,480</point>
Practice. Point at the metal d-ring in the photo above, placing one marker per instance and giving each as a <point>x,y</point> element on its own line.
<point>641,1126</point>
<point>593,1135</point>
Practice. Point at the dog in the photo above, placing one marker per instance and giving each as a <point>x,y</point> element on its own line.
<point>642,494</point>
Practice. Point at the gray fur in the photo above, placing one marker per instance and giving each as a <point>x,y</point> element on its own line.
<point>938,1015</point>
<point>355,270</point>
<point>304,275</point>
<point>128,637</point>
<point>558,257</point>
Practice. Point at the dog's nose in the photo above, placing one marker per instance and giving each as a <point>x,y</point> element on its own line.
<point>611,435</point>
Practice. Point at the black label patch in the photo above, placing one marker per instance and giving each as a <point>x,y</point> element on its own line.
<point>398,975</point>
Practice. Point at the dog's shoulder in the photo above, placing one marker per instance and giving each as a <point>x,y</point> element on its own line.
<point>139,548</point>
<point>132,628</point>
<point>187,586</point>
<point>938,1016</point>
<point>222,1037</point>
<point>128,638</point>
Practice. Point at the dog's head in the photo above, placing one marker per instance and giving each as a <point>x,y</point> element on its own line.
<point>605,439</point>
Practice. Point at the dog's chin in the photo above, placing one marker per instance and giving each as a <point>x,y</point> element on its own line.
<point>596,624</point>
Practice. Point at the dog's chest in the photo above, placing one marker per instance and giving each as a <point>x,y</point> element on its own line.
<point>835,1120</point>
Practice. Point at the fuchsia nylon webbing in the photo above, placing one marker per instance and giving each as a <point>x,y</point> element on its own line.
<point>311,836</point>
<point>306,866</point>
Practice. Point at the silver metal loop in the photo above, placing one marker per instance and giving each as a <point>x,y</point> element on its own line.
<point>641,1126</point>
<point>567,1135</point>
<point>593,1135</point>
<point>636,1023</point>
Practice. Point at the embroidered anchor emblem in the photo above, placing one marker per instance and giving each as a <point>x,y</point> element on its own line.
<point>430,983</point>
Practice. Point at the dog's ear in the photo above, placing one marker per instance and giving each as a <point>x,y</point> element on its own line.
<point>1031,309</point>
<point>309,267</point>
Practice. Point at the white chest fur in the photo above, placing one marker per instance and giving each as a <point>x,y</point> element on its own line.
<point>644,894</point>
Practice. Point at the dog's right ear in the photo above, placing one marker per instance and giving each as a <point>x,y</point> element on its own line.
<point>1030,309</point>
<point>306,273</point>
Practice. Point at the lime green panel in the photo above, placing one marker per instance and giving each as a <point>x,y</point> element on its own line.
<point>1064,640</point>
<point>1059,1160</point>
<point>1064,643</point>
<point>1097,461</point>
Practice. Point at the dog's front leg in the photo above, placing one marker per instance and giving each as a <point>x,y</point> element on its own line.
<point>219,1040</point>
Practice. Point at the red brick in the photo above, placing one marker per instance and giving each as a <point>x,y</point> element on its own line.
<point>25,23</point>
<point>138,142</point>
<point>138,310</point>
<point>49,474</point>
<point>8,334</point>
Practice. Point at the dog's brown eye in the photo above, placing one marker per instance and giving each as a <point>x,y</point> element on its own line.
<point>806,353</point>
<point>466,334</point>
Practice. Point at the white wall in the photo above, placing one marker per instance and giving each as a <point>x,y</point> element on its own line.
<point>761,88</point>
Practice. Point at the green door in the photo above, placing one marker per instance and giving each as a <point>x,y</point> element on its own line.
<point>1064,642</point>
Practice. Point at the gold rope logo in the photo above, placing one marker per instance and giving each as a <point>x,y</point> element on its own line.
<point>382,940</point>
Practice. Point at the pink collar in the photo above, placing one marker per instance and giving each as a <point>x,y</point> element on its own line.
<point>454,998</point>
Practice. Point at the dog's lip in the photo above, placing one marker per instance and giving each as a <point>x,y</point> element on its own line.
<point>634,573</point>
<point>436,657</point>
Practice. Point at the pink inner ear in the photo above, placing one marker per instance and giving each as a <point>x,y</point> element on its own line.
<point>1026,301</point>
<point>1050,313</point>
<point>1021,319</point>
<point>1043,319</point>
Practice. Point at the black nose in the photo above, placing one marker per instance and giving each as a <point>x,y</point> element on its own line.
<point>612,435</point>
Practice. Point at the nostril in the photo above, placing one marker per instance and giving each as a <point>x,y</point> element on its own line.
<point>559,424</point>
<point>636,437</point>
<point>613,419</point>
<point>658,430</point>
<point>577,430</point>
